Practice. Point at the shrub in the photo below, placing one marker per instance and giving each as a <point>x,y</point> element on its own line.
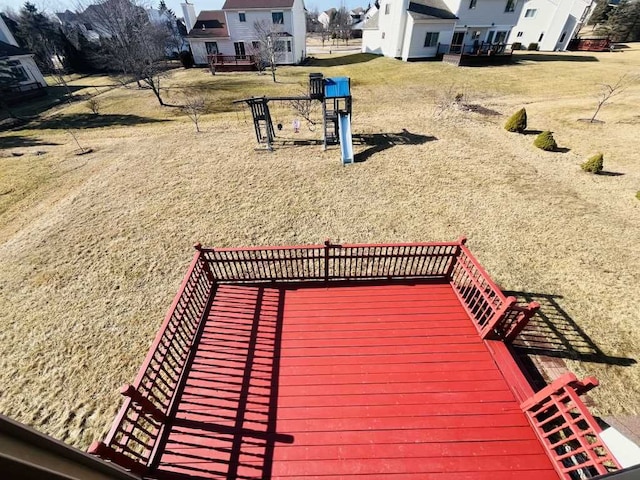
<point>532,46</point>
<point>545,141</point>
<point>94,105</point>
<point>593,164</point>
<point>517,122</point>
<point>516,46</point>
<point>186,58</point>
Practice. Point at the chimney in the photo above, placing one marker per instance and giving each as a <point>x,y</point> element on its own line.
<point>190,16</point>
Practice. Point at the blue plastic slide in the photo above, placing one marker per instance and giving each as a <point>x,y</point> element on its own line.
<point>346,144</point>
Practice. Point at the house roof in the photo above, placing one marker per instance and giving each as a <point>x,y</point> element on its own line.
<point>431,8</point>
<point>210,23</point>
<point>248,4</point>
<point>8,50</point>
<point>371,23</point>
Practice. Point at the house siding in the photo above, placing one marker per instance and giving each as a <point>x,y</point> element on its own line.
<point>488,13</point>
<point>416,33</point>
<point>245,31</point>
<point>551,19</point>
<point>199,49</point>
<point>392,25</point>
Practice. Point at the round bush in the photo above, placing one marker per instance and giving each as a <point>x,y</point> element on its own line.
<point>517,122</point>
<point>545,141</point>
<point>186,58</point>
<point>594,164</point>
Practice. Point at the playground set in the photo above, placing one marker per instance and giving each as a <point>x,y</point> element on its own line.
<point>348,361</point>
<point>335,96</point>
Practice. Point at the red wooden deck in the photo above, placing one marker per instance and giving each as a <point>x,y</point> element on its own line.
<point>366,381</point>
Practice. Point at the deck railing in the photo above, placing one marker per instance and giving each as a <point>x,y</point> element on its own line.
<point>332,262</point>
<point>134,436</point>
<point>476,49</point>
<point>219,59</point>
<point>567,430</point>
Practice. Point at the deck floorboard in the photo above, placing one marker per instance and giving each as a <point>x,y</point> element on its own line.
<point>368,382</point>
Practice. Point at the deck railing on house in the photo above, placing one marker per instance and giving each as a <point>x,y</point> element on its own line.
<point>133,438</point>
<point>567,430</point>
<point>476,48</point>
<point>218,59</point>
<point>137,432</point>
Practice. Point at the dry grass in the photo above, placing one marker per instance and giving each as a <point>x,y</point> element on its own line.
<point>93,248</point>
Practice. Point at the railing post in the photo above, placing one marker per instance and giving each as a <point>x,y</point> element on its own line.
<point>145,404</point>
<point>492,325</point>
<point>522,322</point>
<point>205,263</point>
<point>461,241</point>
<point>327,246</point>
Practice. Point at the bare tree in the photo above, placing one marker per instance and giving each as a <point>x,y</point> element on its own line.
<point>194,107</point>
<point>130,42</point>
<point>306,109</point>
<point>608,91</point>
<point>269,48</point>
<point>340,24</point>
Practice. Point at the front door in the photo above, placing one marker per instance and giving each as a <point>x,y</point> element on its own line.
<point>490,37</point>
<point>456,42</point>
<point>240,53</point>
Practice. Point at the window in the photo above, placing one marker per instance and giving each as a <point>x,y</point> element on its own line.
<point>212,48</point>
<point>563,36</point>
<point>531,12</point>
<point>519,34</point>
<point>383,35</point>
<point>289,46</point>
<point>277,17</point>
<point>17,71</point>
<point>501,37</point>
<point>387,9</point>
<point>431,39</point>
<point>510,7</point>
<point>242,16</point>
<point>472,4</point>
<point>540,38</point>
<point>239,47</point>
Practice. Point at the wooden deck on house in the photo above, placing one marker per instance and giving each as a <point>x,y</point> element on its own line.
<point>386,381</point>
<point>347,361</point>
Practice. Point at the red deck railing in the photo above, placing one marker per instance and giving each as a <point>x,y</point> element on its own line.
<point>133,438</point>
<point>567,430</point>
<point>556,413</point>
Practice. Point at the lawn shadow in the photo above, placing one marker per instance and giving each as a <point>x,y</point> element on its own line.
<point>383,141</point>
<point>481,110</point>
<point>89,120</point>
<point>341,60</point>
<point>21,141</point>
<point>606,173</point>
<point>532,132</point>
<point>554,58</point>
<point>552,332</point>
<point>562,149</point>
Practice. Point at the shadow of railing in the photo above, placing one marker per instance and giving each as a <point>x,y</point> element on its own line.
<point>552,332</point>
<point>225,423</point>
<point>382,141</point>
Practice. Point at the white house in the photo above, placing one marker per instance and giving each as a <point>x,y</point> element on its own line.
<point>325,17</point>
<point>231,31</point>
<point>21,63</point>
<point>550,23</point>
<point>413,29</point>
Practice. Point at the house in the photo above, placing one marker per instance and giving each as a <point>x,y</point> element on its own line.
<point>325,17</point>
<point>415,29</point>
<point>26,78</point>
<point>231,32</point>
<point>550,24</point>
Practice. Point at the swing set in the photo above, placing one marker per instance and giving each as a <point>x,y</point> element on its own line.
<point>334,94</point>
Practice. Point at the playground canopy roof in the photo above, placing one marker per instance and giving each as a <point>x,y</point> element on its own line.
<point>337,87</point>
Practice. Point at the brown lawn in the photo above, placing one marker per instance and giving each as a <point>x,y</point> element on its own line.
<point>93,247</point>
